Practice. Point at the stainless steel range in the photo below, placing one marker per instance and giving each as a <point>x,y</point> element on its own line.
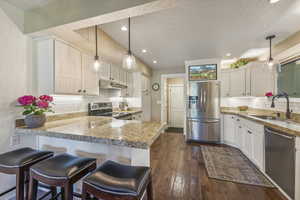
<point>106,109</point>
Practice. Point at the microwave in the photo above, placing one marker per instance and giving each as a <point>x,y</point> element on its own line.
<point>204,72</point>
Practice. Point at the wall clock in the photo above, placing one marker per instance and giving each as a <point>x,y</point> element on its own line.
<point>155,86</point>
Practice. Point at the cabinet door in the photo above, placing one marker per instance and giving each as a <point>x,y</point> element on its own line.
<point>225,83</point>
<point>248,143</point>
<point>122,78</point>
<point>248,80</point>
<point>68,74</point>
<point>104,71</point>
<point>129,78</point>
<point>229,129</point>
<point>238,133</point>
<point>90,77</point>
<point>114,73</point>
<point>258,149</point>
<point>262,79</point>
<point>237,83</point>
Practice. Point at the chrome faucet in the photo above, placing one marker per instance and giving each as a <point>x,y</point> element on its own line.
<point>283,94</point>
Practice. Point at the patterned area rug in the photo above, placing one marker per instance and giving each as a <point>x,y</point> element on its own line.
<point>229,164</point>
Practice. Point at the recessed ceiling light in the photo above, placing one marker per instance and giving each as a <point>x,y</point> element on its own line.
<point>144,51</point>
<point>228,54</point>
<point>154,61</point>
<point>124,28</point>
<point>274,1</point>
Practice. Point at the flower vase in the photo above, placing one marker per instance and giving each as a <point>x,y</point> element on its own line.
<point>35,121</point>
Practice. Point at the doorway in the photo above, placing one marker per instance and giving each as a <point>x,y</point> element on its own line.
<point>173,106</point>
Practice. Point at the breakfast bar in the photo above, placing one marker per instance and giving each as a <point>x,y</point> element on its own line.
<point>125,141</point>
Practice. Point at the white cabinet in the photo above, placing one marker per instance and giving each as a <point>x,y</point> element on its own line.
<point>104,71</point>
<point>229,129</point>
<point>254,79</point>
<point>262,80</point>
<point>122,77</point>
<point>238,82</point>
<point>63,69</point>
<point>90,77</point>
<point>248,143</point>
<point>68,74</point>
<point>114,73</point>
<point>258,157</point>
<point>225,83</point>
<point>246,135</point>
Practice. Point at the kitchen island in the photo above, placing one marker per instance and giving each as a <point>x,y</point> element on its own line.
<point>126,141</point>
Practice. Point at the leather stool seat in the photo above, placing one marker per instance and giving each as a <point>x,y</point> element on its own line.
<point>22,157</point>
<point>121,180</point>
<point>18,162</point>
<point>62,170</point>
<point>62,166</point>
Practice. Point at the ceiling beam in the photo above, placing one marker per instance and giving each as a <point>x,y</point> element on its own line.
<point>76,14</point>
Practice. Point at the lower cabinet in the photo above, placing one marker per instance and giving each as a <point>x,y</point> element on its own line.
<point>246,135</point>
<point>137,116</point>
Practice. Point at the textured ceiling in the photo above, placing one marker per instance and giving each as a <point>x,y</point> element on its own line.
<point>28,4</point>
<point>197,29</point>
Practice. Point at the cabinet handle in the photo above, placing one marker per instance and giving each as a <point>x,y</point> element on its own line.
<point>238,120</point>
<point>79,90</point>
<point>240,127</point>
<point>249,132</point>
<point>84,91</point>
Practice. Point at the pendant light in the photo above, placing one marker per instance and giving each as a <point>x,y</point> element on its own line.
<point>129,59</point>
<point>97,62</point>
<point>270,60</point>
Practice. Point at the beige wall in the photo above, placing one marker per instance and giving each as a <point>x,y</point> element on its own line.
<point>109,49</point>
<point>15,77</point>
<point>156,95</point>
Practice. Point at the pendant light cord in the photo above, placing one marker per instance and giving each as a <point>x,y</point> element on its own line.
<point>129,34</point>
<point>270,48</point>
<point>96,39</point>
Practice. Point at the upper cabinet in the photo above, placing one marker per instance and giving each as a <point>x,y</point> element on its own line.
<point>255,79</point>
<point>63,69</point>
<point>68,72</point>
<point>90,80</point>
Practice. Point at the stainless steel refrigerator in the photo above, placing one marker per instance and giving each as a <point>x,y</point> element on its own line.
<point>203,112</point>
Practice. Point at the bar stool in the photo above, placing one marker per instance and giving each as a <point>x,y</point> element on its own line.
<point>63,171</point>
<point>18,162</point>
<point>113,181</point>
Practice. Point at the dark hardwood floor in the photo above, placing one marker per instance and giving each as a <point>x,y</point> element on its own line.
<point>179,174</point>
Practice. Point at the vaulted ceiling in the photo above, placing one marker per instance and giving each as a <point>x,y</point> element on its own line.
<point>197,29</point>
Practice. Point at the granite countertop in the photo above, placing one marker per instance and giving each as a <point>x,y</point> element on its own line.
<point>105,130</point>
<point>286,126</point>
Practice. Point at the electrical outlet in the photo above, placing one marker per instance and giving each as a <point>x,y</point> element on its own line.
<point>15,140</point>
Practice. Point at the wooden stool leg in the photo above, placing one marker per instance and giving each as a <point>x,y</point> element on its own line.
<point>27,185</point>
<point>150,191</point>
<point>68,187</point>
<point>20,180</point>
<point>33,186</point>
<point>53,191</point>
<point>85,194</point>
<point>62,193</point>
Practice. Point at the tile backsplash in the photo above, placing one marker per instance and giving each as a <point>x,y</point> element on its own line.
<point>69,104</point>
<point>261,103</point>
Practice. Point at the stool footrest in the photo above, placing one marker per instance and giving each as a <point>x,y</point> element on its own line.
<point>7,191</point>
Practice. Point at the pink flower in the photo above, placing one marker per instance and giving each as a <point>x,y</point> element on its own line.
<point>269,94</point>
<point>42,104</point>
<point>26,100</point>
<point>46,98</point>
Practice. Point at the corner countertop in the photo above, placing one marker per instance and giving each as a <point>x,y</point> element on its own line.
<point>289,127</point>
<point>129,133</point>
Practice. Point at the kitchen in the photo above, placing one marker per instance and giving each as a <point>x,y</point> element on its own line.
<point>102,70</point>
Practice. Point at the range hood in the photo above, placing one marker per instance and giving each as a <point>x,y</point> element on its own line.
<point>104,84</point>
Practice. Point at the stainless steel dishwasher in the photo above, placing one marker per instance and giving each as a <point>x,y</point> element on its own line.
<point>280,159</point>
